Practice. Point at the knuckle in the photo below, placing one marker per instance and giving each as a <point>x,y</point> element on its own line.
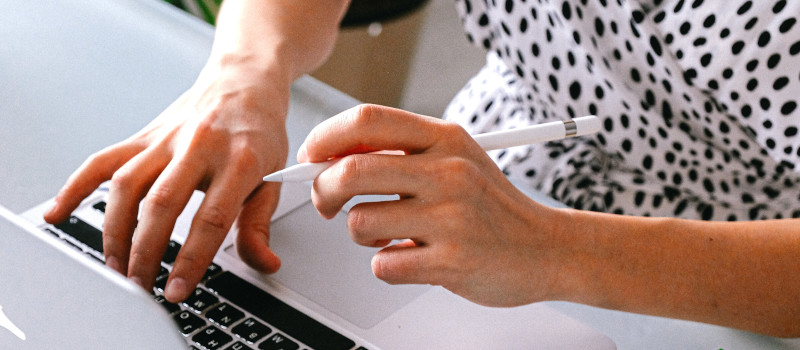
<point>458,165</point>
<point>365,116</point>
<point>190,261</point>
<point>96,159</point>
<point>244,159</point>
<point>123,180</point>
<point>206,125</point>
<point>456,134</point>
<point>159,199</point>
<point>105,156</point>
<point>213,217</point>
<point>358,223</point>
<point>461,172</point>
<point>407,267</point>
<point>382,269</point>
<point>455,131</point>
<point>350,169</point>
<point>365,113</point>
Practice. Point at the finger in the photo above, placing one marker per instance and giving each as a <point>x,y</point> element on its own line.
<point>404,263</point>
<point>127,188</point>
<point>252,241</point>
<point>95,170</point>
<point>372,127</point>
<point>377,224</point>
<point>210,225</point>
<point>161,207</point>
<point>359,174</point>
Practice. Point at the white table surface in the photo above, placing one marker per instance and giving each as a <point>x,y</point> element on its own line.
<point>67,90</point>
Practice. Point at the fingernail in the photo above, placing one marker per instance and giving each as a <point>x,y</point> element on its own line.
<point>113,263</point>
<point>137,280</point>
<point>175,289</point>
<point>302,154</point>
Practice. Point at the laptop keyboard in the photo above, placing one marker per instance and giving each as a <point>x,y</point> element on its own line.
<point>225,311</point>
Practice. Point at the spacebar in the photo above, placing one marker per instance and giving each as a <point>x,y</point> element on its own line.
<point>286,318</point>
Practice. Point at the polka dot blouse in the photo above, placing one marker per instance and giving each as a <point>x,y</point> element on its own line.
<point>698,101</point>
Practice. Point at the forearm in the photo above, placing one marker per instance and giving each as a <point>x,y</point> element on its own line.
<point>278,39</point>
<point>741,275</point>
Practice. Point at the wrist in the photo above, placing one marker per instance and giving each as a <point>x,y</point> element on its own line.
<point>574,249</point>
<point>553,248</point>
<point>244,79</point>
<point>249,69</point>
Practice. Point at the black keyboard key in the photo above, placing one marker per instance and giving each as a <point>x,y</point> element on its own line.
<point>170,307</point>
<point>100,206</point>
<point>238,346</point>
<point>73,245</point>
<point>171,253</point>
<point>224,315</point>
<point>50,231</point>
<point>161,280</point>
<point>83,232</point>
<point>277,313</point>
<point>200,300</point>
<point>251,330</point>
<point>278,342</point>
<point>96,258</point>
<point>212,338</point>
<point>161,283</point>
<point>188,322</point>
<point>212,271</point>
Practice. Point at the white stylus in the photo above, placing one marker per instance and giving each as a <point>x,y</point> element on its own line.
<point>489,141</point>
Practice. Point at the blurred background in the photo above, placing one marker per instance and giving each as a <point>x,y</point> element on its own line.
<point>410,54</point>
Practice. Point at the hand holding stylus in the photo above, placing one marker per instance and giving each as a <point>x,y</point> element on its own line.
<point>459,220</point>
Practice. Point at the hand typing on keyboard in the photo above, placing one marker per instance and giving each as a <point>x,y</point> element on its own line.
<point>221,137</point>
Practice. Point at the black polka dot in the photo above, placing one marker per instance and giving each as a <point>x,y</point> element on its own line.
<point>575,90</point>
<point>670,80</point>
<point>763,39</point>
<point>788,107</point>
<point>780,83</point>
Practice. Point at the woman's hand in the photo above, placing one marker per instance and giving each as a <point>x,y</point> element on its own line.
<point>220,137</point>
<point>463,225</point>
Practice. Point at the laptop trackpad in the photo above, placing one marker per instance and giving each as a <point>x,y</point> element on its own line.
<point>320,262</point>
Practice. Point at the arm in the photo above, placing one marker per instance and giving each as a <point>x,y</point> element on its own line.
<point>283,37</point>
<point>468,229</point>
<point>742,275</point>
<point>220,136</point>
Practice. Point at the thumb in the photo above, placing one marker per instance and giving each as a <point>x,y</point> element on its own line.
<point>252,241</point>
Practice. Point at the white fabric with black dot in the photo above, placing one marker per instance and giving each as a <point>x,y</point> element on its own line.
<point>698,100</point>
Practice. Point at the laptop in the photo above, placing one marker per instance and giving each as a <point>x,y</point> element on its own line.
<point>87,73</point>
<point>52,297</point>
<point>324,296</point>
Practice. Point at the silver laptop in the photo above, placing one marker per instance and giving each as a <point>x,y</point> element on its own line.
<point>324,296</point>
<point>52,297</point>
<point>87,73</point>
